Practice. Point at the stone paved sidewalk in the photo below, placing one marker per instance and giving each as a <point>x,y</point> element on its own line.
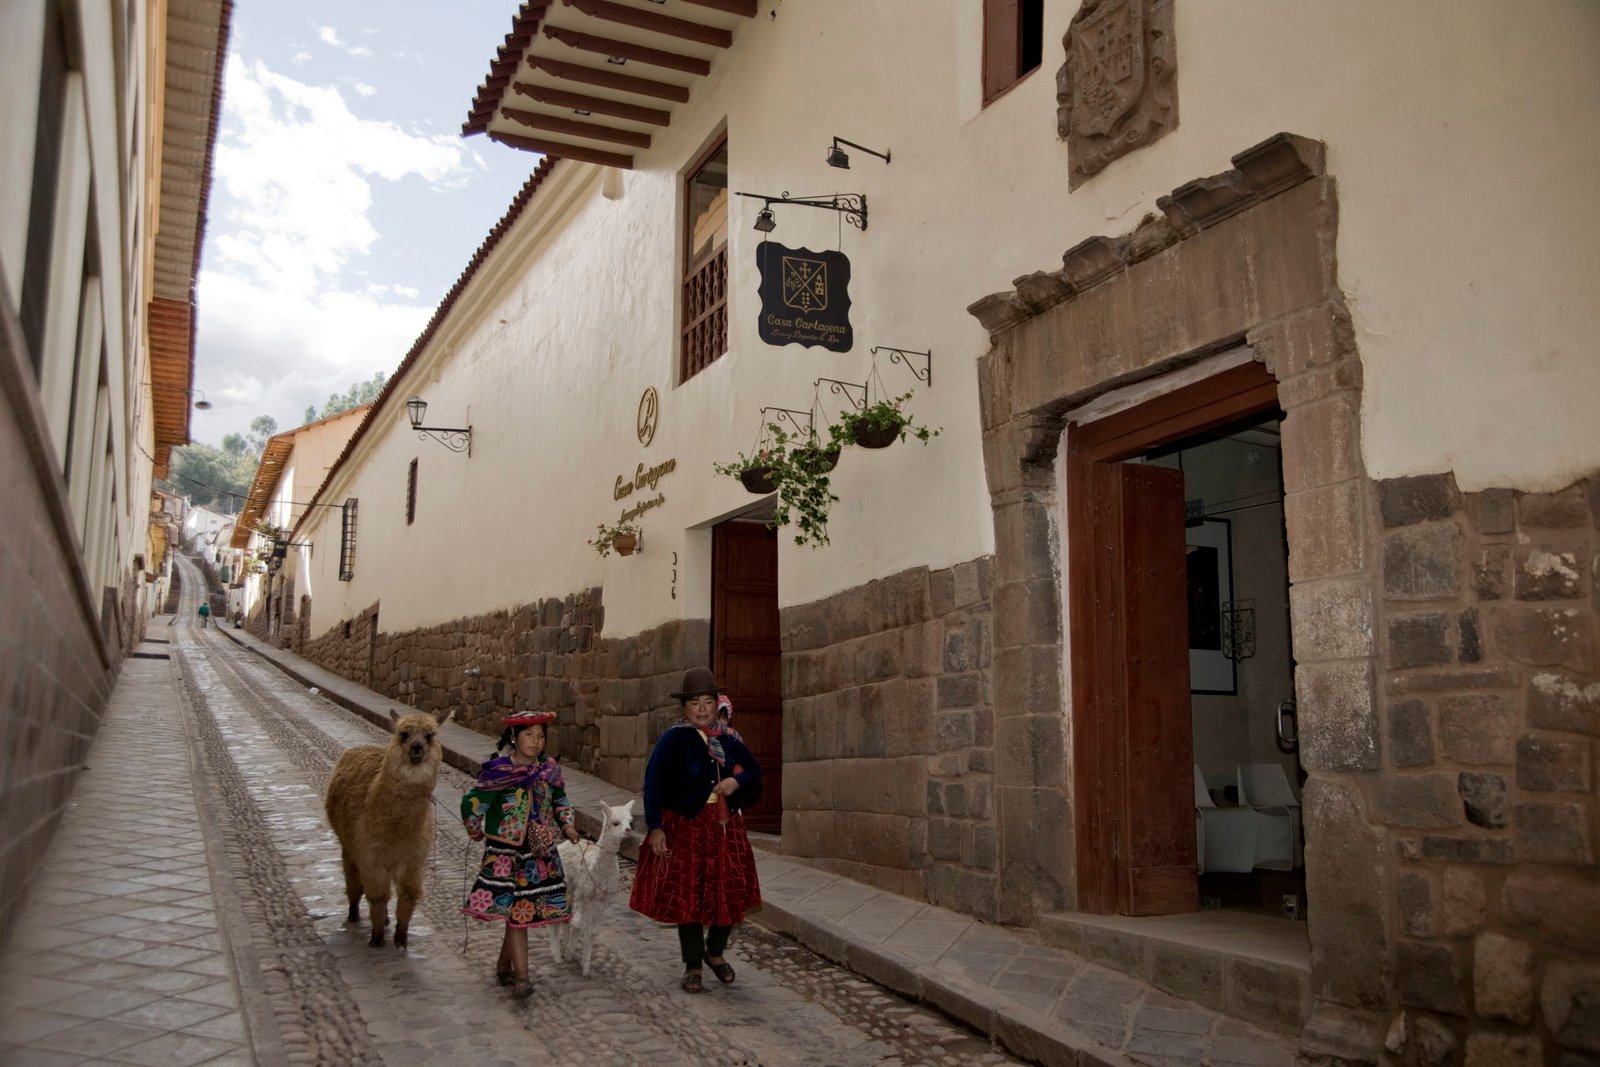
<point>120,955</point>
<point>1043,1003</point>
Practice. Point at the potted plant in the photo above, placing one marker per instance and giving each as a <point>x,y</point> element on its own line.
<point>755,471</point>
<point>623,538</point>
<point>796,468</point>
<point>878,425</point>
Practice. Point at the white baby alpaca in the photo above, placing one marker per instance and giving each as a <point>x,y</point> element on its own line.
<point>593,877</point>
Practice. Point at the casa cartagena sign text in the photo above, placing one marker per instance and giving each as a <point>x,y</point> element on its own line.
<point>805,297</point>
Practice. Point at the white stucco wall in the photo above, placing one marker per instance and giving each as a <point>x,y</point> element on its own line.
<point>1460,135</point>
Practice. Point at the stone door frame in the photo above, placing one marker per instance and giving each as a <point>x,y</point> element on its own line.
<point>1243,256</point>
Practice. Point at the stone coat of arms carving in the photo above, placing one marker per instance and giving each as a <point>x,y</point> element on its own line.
<point>1118,89</point>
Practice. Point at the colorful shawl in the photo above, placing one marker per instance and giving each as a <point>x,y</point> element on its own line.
<point>507,797</point>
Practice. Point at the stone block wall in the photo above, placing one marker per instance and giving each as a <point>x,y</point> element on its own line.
<point>889,751</point>
<point>610,696</point>
<point>1491,715</point>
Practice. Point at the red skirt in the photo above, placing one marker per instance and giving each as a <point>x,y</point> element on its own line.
<point>708,875</point>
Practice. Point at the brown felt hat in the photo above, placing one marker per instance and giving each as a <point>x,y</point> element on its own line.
<point>697,682</point>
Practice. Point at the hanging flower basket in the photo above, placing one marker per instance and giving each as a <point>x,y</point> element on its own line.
<point>878,425</point>
<point>757,480</point>
<point>877,436</point>
<point>817,460</point>
<point>625,544</point>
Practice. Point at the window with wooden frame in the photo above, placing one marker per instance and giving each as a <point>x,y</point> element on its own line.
<point>1013,43</point>
<point>705,262</point>
<point>347,541</point>
<point>411,493</point>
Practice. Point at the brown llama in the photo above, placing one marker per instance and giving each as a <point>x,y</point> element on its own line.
<point>380,805</point>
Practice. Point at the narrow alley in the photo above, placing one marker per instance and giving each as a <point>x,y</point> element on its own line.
<point>218,934</point>
<point>225,783</point>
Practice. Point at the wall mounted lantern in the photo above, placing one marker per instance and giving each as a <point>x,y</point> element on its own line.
<point>853,206</point>
<point>455,439</point>
<point>837,158</point>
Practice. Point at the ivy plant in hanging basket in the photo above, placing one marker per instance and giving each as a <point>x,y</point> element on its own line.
<point>878,425</point>
<point>796,468</point>
<point>756,472</point>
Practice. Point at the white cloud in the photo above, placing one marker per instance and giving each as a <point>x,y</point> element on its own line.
<point>302,57</point>
<point>363,88</point>
<point>278,289</point>
<point>329,35</point>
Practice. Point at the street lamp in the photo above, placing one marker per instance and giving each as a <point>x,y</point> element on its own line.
<point>456,439</point>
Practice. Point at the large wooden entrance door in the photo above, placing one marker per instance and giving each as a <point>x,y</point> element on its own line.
<point>1140,591</point>
<point>1132,728</point>
<point>747,653</point>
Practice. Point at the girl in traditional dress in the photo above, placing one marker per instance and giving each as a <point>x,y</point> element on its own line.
<point>696,869</point>
<point>519,810</point>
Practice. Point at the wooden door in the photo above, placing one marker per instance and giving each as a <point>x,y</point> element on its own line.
<point>747,653</point>
<point>1142,784</point>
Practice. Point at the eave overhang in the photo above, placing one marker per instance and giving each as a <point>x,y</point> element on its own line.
<point>196,49</point>
<point>274,458</point>
<point>591,80</point>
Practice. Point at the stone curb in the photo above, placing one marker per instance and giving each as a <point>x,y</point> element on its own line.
<point>984,1010</point>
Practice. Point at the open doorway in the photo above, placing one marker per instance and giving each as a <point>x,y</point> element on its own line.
<point>1180,658</point>
<point>1246,768</point>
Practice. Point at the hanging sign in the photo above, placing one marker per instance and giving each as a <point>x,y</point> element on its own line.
<point>805,297</point>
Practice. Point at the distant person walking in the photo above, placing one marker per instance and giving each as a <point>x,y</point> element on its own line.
<point>205,614</point>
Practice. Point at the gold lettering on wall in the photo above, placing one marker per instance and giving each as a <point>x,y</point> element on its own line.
<point>643,478</point>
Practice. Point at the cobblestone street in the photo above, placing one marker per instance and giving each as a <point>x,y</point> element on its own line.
<point>140,969</point>
<point>217,934</point>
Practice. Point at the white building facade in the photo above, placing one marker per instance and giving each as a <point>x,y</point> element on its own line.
<point>1264,478</point>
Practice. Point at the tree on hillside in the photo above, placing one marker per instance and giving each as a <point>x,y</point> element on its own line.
<point>214,478</point>
<point>359,393</point>
<point>261,428</point>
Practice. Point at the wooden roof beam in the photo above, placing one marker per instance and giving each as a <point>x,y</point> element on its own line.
<point>564,151</point>
<point>610,79</point>
<point>581,102</point>
<point>610,46</point>
<point>747,8</point>
<point>592,130</point>
<point>683,29</point>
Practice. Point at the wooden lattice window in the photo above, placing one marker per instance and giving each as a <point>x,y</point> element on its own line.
<point>347,541</point>
<point>1013,43</point>
<point>411,494</point>
<point>705,262</point>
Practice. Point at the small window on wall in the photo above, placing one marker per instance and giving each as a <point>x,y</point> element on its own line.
<point>705,262</point>
<point>347,541</point>
<point>411,494</point>
<point>1013,43</point>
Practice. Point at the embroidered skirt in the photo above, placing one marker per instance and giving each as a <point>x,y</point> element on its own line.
<point>520,887</point>
<point>708,875</point>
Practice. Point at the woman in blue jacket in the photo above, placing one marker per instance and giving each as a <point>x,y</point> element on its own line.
<point>696,869</point>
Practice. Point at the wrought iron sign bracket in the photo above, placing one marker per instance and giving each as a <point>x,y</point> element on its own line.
<point>853,206</point>
<point>903,355</point>
<point>788,415</point>
<point>455,439</point>
<point>846,389</point>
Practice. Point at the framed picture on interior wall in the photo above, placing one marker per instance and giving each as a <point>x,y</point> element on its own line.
<point>1210,562</point>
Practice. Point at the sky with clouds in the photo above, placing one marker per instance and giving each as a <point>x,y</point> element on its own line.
<point>344,200</point>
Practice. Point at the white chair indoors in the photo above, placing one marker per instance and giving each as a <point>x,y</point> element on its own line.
<point>1225,838</point>
<point>1265,790</point>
